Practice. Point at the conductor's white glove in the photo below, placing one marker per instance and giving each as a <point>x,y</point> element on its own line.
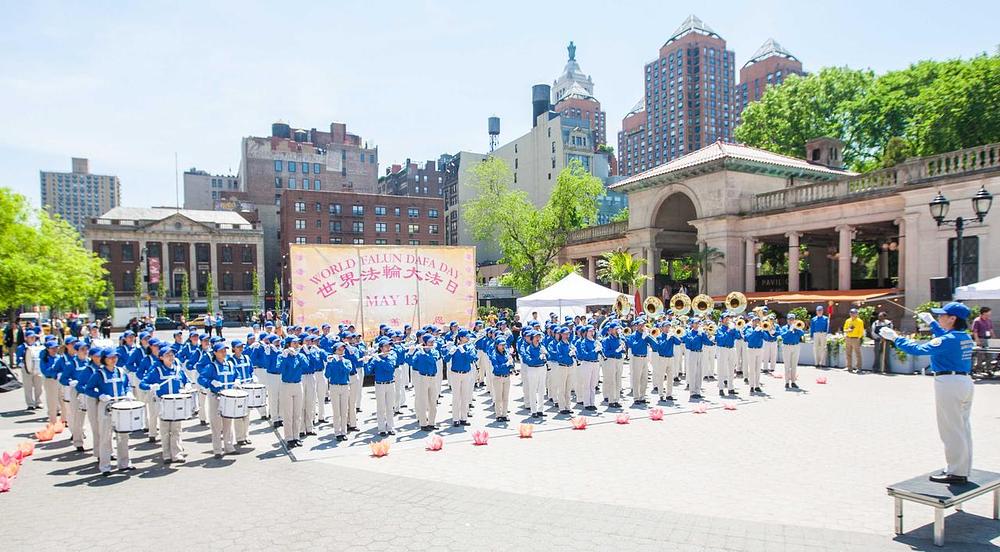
<point>888,333</point>
<point>926,318</point>
<point>104,398</point>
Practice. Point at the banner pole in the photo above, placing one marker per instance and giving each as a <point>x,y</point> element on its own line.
<point>361,293</point>
<point>416,255</point>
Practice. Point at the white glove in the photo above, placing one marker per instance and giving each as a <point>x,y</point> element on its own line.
<point>216,383</point>
<point>154,387</point>
<point>888,333</point>
<point>926,318</point>
<point>238,382</point>
<point>104,398</point>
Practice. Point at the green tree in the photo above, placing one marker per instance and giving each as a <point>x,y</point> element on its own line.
<point>620,216</point>
<point>896,151</point>
<point>529,238</point>
<point>701,262</point>
<point>256,302</point>
<point>161,297</point>
<point>210,293</point>
<point>559,272</point>
<point>277,293</point>
<point>137,288</point>
<point>185,296</point>
<point>621,267</point>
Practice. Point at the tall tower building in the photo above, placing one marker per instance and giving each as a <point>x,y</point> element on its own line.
<point>78,195</point>
<point>689,97</point>
<point>770,65</point>
<point>573,98</point>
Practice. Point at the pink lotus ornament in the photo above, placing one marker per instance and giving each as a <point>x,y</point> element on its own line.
<point>777,375</point>
<point>579,422</point>
<point>821,380</point>
<point>729,406</point>
<point>700,408</point>
<point>622,418</point>
<point>4,483</point>
<point>27,448</point>
<point>525,430</point>
<point>435,443</point>
<point>45,434</point>
<point>480,437</point>
<point>10,470</point>
<point>380,448</point>
<point>656,414</point>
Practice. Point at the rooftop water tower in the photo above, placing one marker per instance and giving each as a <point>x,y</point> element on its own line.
<point>494,129</point>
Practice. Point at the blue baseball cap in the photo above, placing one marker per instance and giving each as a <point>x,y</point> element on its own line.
<point>289,340</point>
<point>71,340</point>
<point>954,309</point>
<point>219,347</point>
<point>237,343</point>
<point>166,351</point>
<point>426,338</point>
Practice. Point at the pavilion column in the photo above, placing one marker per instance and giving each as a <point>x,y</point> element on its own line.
<point>793,260</point>
<point>844,257</point>
<point>193,274</point>
<point>901,251</point>
<point>592,269</point>
<point>652,269</point>
<point>750,277</point>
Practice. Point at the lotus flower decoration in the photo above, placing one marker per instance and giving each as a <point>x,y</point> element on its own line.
<point>27,448</point>
<point>57,427</point>
<point>45,434</point>
<point>480,437</point>
<point>821,380</point>
<point>700,408</point>
<point>380,448</point>
<point>622,418</point>
<point>729,406</point>
<point>579,422</point>
<point>4,483</point>
<point>525,430</point>
<point>10,470</point>
<point>656,414</point>
<point>435,443</point>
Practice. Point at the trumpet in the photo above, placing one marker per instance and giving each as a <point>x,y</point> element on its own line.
<point>677,331</point>
<point>740,323</point>
<point>711,328</point>
<point>652,306</point>
<point>654,333</point>
<point>626,331</point>
<point>622,306</point>
<point>680,303</point>
<point>702,305</point>
<point>767,325</point>
<point>736,302</point>
<point>799,324</point>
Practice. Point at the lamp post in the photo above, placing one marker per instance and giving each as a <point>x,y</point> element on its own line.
<point>981,203</point>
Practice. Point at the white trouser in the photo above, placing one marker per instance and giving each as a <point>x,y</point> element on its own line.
<point>105,432</point>
<point>222,428</point>
<point>751,367</point>
<point>740,352</point>
<point>500,391</point>
<point>399,396</point>
<point>670,370</point>
<point>953,402</point>
<point>242,428</point>
<point>357,387</point>
<point>274,407</point>
<point>548,387</point>
<point>384,398</point>
<point>262,377</point>
<point>533,378</point>
<point>53,398</point>
<point>819,348</point>
<point>694,361</point>
<point>791,359</point>
<point>340,405</point>
<point>586,381</point>
<point>203,413</point>
<point>76,419</point>
<point>561,385</point>
<point>152,413</point>
<point>427,388</point>
<point>611,372</point>
<point>638,370</point>
<point>769,355</point>
<point>461,394</point>
<point>291,406</point>
<point>727,368</point>
<point>322,392</point>
<point>309,393</point>
<point>92,416</point>
<point>171,440</point>
<point>482,365</point>
<point>32,388</point>
<point>657,367</point>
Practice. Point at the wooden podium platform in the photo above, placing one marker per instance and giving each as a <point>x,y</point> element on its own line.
<point>940,496</point>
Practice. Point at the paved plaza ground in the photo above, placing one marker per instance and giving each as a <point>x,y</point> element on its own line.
<point>787,471</point>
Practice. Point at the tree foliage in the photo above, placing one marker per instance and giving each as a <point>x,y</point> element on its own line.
<point>930,107</point>
<point>700,263</point>
<point>137,288</point>
<point>185,296</point>
<point>43,261</point>
<point>622,267</point>
<point>529,238</point>
<point>620,216</point>
<point>209,293</point>
<point>256,299</point>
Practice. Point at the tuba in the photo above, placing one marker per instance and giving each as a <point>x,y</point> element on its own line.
<point>736,302</point>
<point>702,305</point>
<point>680,303</point>
<point>623,306</point>
<point>652,306</point>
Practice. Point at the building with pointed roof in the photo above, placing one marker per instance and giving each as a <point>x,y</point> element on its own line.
<point>571,77</point>
<point>573,98</point>
<point>770,65</point>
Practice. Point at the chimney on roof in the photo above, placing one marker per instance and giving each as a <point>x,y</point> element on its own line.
<point>825,151</point>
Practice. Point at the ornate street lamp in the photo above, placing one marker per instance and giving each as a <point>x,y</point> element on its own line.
<point>981,203</point>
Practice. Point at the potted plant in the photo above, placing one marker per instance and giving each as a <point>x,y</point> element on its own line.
<point>835,349</point>
<point>900,362</point>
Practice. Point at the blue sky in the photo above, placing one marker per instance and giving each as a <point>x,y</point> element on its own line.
<point>130,84</point>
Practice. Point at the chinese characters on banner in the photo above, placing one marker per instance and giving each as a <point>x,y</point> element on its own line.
<point>371,285</point>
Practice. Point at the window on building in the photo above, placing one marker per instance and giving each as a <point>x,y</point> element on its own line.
<point>334,208</point>
<point>300,206</point>
<point>337,240</point>
<point>300,239</point>
<point>413,228</point>
<point>316,168</point>
<point>227,253</point>
<point>381,241</point>
<point>395,211</point>
<point>414,242</point>
<point>380,210</point>
<point>319,224</point>
<point>104,251</point>
<point>128,281</point>
<point>227,281</point>
<point>319,207</point>
<point>291,166</point>
<point>358,241</point>
<point>432,213</point>
<point>316,185</point>
<point>432,228</point>
<point>362,157</point>
<point>413,212</point>
<point>434,242</point>
<point>291,183</point>
<point>247,254</point>
<point>277,165</point>
<point>248,281</point>
<point>970,260</point>
<point>128,252</point>
<point>358,210</point>
<point>358,227</point>
<point>300,224</point>
<point>335,226</point>
<point>202,252</point>
<point>397,227</point>
<point>380,227</point>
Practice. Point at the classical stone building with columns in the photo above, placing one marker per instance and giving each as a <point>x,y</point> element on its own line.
<point>735,199</point>
<point>166,244</point>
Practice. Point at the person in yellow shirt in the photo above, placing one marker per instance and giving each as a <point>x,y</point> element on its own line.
<point>854,331</point>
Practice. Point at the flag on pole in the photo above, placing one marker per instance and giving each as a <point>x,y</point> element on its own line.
<point>638,303</point>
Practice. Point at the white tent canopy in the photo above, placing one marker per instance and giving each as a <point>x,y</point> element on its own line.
<point>987,289</point>
<point>568,297</point>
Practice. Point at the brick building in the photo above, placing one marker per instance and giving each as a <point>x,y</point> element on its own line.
<point>78,195</point>
<point>412,179</point>
<point>770,65</point>
<point>573,98</point>
<point>358,219</point>
<point>164,245</point>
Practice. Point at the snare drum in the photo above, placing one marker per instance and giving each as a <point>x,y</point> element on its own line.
<point>233,403</point>
<point>177,407</point>
<point>127,416</point>
<point>257,395</point>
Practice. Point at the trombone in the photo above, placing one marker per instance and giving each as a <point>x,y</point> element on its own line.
<point>736,302</point>
<point>680,303</point>
<point>702,305</point>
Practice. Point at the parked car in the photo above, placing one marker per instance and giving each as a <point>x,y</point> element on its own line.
<point>198,322</point>
<point>164,323</point>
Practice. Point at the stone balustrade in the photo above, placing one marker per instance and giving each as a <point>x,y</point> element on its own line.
<point>598,233</point>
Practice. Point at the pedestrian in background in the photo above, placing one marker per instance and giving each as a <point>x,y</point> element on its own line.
<point>854,331</point>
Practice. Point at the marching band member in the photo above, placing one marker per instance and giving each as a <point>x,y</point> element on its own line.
<point>562,372</point>
<point>791,339</point>
<point>402,376</point>
<point>664,371</point>
<point>109,383</point>
<point>89,404</point>
<point>166,377</point>
<point>65,368</point>
<point>695,341</point>
<point>311,397</point>
<point>638,344</point>
<point>27,356</point>
<point>292,363</point>
<point>534,356</point>
<point>461,377</point>
<point>244,374</point>
<point>144,364</point>
<point>819,331</point>
<point>482,368</point>
<point>355,352</point>
<point>47,367</point>
<point>198,360</point>
<point>79,368</point>
<point>754,337</point>
<point>769,353</point>
<point>425,361</point>
<point>501,365</point>
<point>217,375</point>
<point>587,372</point>
<point>725,341</point>
<point>612,348</point>
<point>270,356</point>
<point>382,366</point>
<point>338,373</point>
